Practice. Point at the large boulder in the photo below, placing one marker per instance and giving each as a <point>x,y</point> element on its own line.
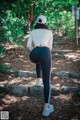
<point>67,74</point>
<point>19,90</point>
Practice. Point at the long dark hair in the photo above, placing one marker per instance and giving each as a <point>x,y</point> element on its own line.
<point>41,26</point>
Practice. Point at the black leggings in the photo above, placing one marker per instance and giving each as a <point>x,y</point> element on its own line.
<point>41,56</point>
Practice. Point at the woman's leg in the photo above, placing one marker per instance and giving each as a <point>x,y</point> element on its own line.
<point>46,71</point>
<point>42,55</point>
<point>38,72</point>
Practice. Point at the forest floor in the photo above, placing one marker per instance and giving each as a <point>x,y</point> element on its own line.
<point>67,106</point>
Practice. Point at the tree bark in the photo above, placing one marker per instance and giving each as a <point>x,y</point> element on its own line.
<point>29,18</point>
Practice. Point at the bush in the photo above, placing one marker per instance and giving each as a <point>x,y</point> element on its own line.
<point>14,27</point>
<point>2,50</point>
<point>62,20</point>
<point>3,67</point>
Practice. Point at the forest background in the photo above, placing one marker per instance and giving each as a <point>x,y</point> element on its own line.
<point>17,18</point>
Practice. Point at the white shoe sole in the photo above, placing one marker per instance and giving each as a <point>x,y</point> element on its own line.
<point>38,82</point>
<point>46,112</point>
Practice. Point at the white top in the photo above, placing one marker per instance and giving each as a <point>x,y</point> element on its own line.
<point>40,36</point>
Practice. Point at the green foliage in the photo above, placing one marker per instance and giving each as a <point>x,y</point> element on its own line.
<point>14,18</point>
<point>59,15</point>
<point>13,27</point>
<point>3,67</point>
<point>12,22</point>
<point>2,50</point>
<point>62,20</point>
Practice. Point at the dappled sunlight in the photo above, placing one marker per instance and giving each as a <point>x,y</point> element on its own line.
<point>73,56</point>
<point>57,62</point>
<point>19,94</point>
<point>19,81</point>
<point>3,82</point>
<point>16,57</point>
<point>8,64</point>
<point>9,45</point>
<point>68,62</point>
<point>9,99</point>
<point>2,56</point>
<point>55,77</point>
<point>26,36</point>
<point>63,98</point>
<point>66,59</point>
<point>54,68</point>
<point>21,56</point>
<point>76,81</point>
<point>22,60</point>
<point>62,103</point>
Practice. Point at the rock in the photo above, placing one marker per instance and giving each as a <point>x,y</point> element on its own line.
<point>19,90</point>
<point>63,74</point>
<point>61,51</point>
<point>75,75</point>
<point>38,90</point>
<point>22,73</point>
<point>55,90</point>
<point>66,89</point>
<point>67,74</point>
<point>4,89</point>
<point>60,56</point>
<point>9,71</point>
<point>35,90</point>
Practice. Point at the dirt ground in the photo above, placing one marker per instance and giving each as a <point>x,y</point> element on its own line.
<point>67,107</point>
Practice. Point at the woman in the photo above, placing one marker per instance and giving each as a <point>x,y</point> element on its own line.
<point>40,54</point>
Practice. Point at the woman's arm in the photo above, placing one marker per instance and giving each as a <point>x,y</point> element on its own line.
<point>50,43</point>
<point>29,43</point>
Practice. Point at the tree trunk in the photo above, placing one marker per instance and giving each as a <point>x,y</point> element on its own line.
<point>31,14</point>
<point>29,18</point>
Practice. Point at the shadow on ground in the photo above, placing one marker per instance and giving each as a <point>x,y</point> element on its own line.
<point>30,108</point>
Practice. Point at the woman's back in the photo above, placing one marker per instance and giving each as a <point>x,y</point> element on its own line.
<point>41,36</point>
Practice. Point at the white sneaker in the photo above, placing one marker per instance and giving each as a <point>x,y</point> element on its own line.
<point>48,110</point>
<point>38,82</point>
